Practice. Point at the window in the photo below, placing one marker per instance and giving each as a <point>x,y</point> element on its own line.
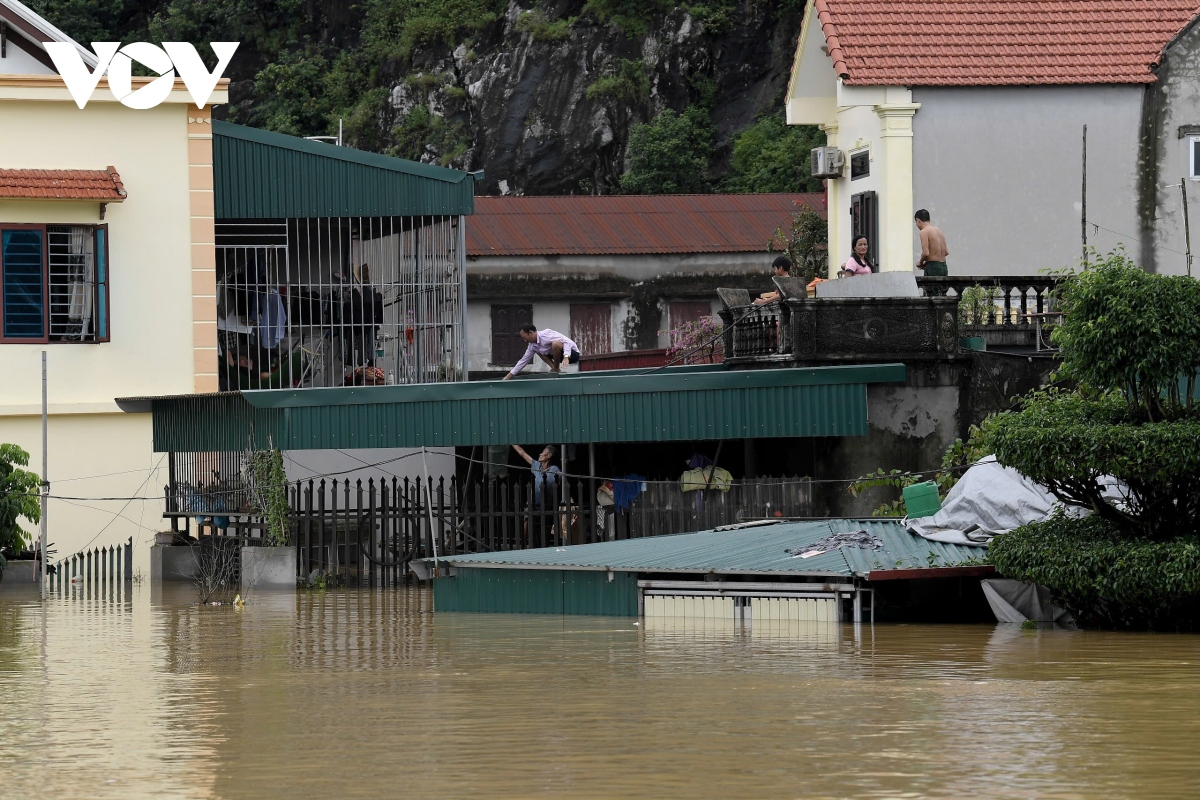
<point>860,164</point>
<point>53,283</point>
<point>507,345</point>
<point>864,211</point>
<point>1194,156</point>
<point>591,327</point>
<point>683,312</point>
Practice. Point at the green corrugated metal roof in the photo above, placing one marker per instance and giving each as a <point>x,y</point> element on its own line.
<point>263,175</point>
<point>744,551</point>
<point>671,405</point>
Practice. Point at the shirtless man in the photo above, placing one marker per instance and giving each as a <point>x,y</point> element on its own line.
<point>933,246</point>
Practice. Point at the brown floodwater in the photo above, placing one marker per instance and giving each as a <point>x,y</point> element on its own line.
<point>368,694</point>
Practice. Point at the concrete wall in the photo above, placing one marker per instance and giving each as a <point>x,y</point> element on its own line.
<point>911,426</point>
<point>1000,170</point>
<point>1171,116</point>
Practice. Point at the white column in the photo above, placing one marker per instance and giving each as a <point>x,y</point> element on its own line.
<point>834,199</point>
<point>896,186</point>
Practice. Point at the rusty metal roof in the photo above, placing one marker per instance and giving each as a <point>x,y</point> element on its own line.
<point>631,224</point>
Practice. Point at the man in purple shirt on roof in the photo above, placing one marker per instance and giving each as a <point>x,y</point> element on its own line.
<point>553,348</point>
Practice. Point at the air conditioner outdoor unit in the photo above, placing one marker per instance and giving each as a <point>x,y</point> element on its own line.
<point>826,162</point>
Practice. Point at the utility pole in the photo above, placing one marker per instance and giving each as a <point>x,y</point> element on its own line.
<point>1084,222</point>
<point>1187,232</point>
<point>45,480</point>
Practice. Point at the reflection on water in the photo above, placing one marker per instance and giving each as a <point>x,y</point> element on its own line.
<point>368,694</point>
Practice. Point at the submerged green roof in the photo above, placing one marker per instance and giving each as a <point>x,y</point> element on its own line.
<point>264,175</point>
<point>678,404</point>
<point>757,550</point>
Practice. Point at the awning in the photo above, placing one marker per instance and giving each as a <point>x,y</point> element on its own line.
<point>676,404</point>
<point>263,175</point>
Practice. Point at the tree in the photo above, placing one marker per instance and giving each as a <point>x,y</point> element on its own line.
<point>1131,342</point>
<point>772,156</point>
<point>19,491</point>
<point>806,244</point>
<point>670,154</point>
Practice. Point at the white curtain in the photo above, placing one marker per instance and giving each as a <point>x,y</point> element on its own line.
<point>81,277</point>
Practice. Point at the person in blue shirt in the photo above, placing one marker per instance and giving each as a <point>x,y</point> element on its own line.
<point>544,473</point>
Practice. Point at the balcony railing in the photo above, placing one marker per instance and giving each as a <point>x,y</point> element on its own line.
<point>1005,311</point>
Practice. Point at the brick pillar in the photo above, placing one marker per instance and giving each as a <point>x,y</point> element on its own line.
<point>204,253</point>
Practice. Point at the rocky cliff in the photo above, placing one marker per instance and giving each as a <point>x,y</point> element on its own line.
<point>542,97</point>
<point>535,128</point>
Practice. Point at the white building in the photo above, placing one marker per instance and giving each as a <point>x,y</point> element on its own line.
<point>975,110</point>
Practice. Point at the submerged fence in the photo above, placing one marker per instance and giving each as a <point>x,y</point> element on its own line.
<point>365,532</point>
<point>102,567</point>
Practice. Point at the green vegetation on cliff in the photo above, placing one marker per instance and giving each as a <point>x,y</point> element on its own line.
<point>544,97</point>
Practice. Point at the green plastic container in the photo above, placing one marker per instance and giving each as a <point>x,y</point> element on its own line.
<point>922,500</point>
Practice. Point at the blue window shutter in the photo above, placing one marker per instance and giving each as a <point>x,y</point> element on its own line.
<point>23,280</point>
<point>101,283</point>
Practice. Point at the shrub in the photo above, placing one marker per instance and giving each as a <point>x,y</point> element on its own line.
<point>270,495</point>
<point>1132,342</point>
<point>1104,577</point>
<point>698,342</point>
<point>19,499</point>
<point>633,17</point>
<point>628,85</point>
<point>806,244</point>
<point>541,28</point>
<point>1134,333</point>
<point>670,154</point>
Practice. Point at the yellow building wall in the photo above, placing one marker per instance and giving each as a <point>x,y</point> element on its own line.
<point>95,456</point>
<point>162,305</point>
<point>150,280</point>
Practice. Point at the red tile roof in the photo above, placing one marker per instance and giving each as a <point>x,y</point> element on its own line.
<point>631,224</point>
<point>999,42</point>
<point>62,184</point>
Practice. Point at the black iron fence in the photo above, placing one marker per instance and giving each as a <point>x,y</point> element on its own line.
<point>366,532</point>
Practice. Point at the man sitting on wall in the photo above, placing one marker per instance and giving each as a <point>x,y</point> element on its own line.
<point>551,346</point>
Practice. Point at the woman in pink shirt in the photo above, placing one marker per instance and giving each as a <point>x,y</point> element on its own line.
<point>859,263</point>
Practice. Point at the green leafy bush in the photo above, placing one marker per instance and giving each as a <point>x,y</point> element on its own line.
<point>634,17</point>
<point>19,499</point>
<point>772,156</point>
<point>1104,577</point>
<point>270,495</point>
<point>805,243</point>
<point>1128,331</point>
<point>629,84</point>
<point>420,129</point>
<point>1127,338</point>
<point>670,154</point>
<point>541,28</point>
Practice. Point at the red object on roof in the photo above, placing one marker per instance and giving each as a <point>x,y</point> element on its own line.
<point>62,184</point>
<point>999,42</point>
<point>631,224</point>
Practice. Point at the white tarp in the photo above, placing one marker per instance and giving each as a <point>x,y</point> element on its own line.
<point>987,501</point>
<point>1018,601</point>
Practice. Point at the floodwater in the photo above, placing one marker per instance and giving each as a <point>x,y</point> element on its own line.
<point>368,694</point>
